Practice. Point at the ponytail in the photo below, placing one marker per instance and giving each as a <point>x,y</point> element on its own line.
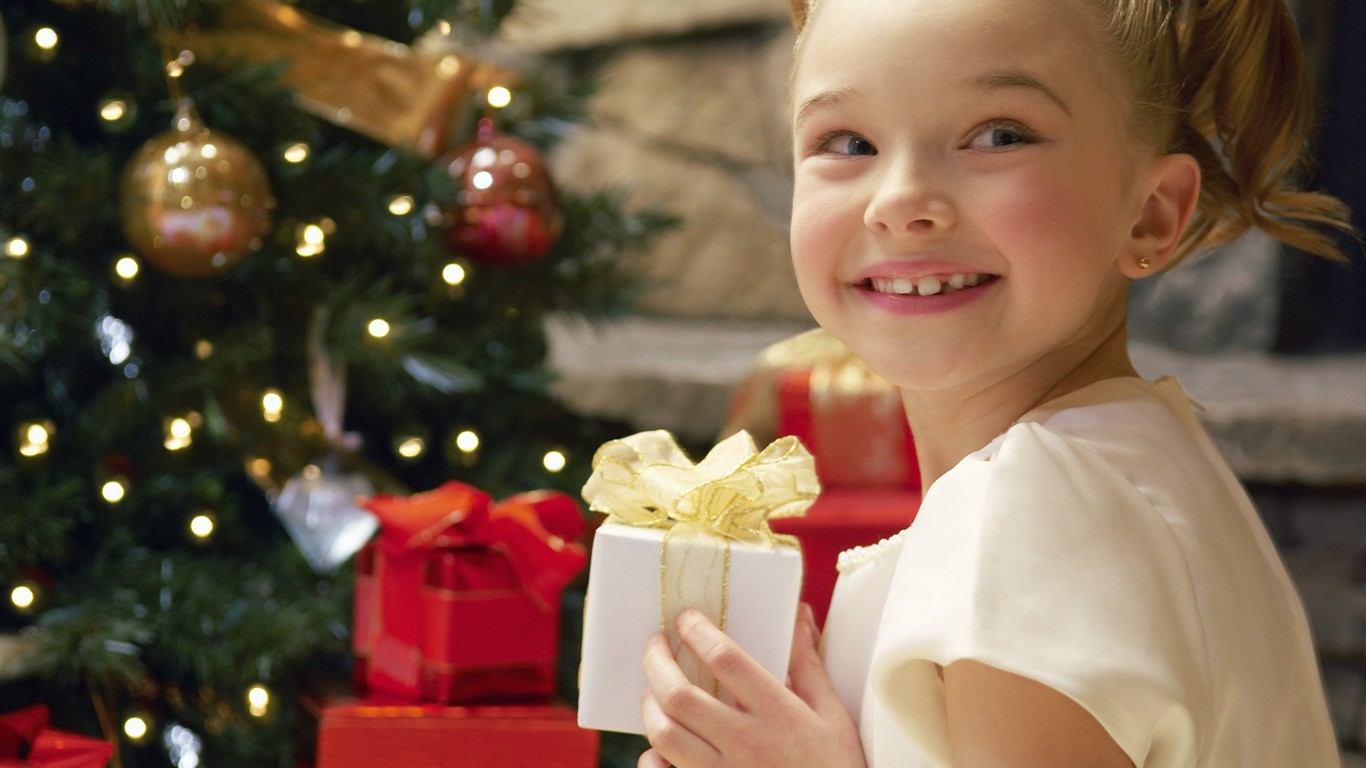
<point>1244,110</point>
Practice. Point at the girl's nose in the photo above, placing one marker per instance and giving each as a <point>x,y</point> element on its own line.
<point>909,199</point>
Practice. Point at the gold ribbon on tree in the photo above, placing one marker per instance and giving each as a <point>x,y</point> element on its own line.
<point>390,92</point>
<point>647,481</point>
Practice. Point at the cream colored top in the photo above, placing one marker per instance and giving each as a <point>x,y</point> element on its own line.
<point>1102,547</point>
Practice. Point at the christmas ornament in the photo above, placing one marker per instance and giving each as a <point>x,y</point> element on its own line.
<point>507,211</point>
<point>195,203</point>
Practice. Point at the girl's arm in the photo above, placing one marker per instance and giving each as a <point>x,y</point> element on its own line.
<point>769,724</point>
<point>999,718</point>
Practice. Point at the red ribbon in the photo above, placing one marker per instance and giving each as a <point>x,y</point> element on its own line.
<point>25,740</point>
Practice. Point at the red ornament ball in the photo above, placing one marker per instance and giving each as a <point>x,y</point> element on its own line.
<point>507,211</point>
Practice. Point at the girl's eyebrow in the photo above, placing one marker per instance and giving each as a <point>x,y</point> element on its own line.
<point>1003,80</point>
<point>833,97</point>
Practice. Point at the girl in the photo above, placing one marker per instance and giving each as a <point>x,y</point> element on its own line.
<point>1086,584</point>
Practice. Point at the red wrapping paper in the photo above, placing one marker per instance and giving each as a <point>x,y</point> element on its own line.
<point>858,439</point>
<point>458,598</point>
<point>27,742</point>
<point>375,735</point>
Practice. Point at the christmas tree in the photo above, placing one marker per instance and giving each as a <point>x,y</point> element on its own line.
<point>258,259</point>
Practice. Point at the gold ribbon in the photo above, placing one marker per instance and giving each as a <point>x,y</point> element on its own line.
<point>647,481</point>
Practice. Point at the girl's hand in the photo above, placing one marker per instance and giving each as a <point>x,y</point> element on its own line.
<point>769,724</point>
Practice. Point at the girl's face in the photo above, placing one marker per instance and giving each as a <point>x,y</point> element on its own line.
<point>965,187</point>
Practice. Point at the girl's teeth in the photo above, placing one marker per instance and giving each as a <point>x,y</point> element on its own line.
<point>926,286</point>
<point>958,281</point>
<point>929,286</point>
<point>903,286</point>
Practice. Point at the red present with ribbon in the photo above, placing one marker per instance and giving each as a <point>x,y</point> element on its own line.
<point>25,740</point>
<point>458,599</point>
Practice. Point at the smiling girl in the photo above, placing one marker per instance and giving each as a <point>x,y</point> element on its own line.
<point>1086,583</point>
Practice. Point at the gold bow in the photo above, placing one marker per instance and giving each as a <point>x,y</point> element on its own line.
<point>646,480</point>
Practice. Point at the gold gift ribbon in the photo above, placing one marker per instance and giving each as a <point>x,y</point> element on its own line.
<point>647,481</point>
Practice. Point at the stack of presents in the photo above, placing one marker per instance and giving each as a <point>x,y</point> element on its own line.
<point>458,599</point>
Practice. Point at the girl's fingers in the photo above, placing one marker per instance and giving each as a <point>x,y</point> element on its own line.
<point>753,688</point>
<point>651,759</point>
<point>670,737</point>
<point>806,671</point>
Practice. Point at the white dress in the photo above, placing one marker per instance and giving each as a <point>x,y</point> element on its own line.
<point>1102,547</point>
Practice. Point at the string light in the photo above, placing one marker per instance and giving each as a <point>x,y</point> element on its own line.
<point>296,152</point>
<point>258,700</point>
<point>467,441</point>
<point>401,205</point>
<point>378,328</point>
<point>272,405</point>
<point>135,728</point>
<point>114,490</point>
<point>45,41</point>
<point>312,240</point>
<point>201,526</point>
<point>482,180</point>
<point>203,349</point>
<point>178,434</point>
<point>411,447</point>
<point>23,596</point>
<point>554,461</point>
<point>259,468</point>
<point>127,267</point>
<point>499,97</point>
<point>17,247</point>
<point>35,439</point>
<point>453,274</point>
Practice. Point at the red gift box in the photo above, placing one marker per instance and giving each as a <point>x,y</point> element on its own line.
<point>375,735</point>
<point>25,740</point>
<point>858,437</point>
<point>458,598</point>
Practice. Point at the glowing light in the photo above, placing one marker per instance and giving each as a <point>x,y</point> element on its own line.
<point>23,597</point>
<point>554,461</point>
<point>45,38</point>
<point>201,526</point>
<point>113,110</point>
<point>467,441</point>
<point>135,728</point>
<point>127,267</point>
<point>412,447</point>
<point>378,328</point>
<point>113,491</point>
<point>499,97</point>
<point>259,468</point>
<point>203,349</point>
<point>272,405</point>
<point>34,439</point>
<point>312,240</point>
<point>178,433</point>
<point>401,205</point>
<point>209,150</point>
<point>482,180</point>
<point>453,274</point>
<point>296,152</point>
<point>17,247</point>
<point>258,700</point>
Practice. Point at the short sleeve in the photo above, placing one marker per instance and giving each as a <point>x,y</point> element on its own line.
<point>1042,560</point>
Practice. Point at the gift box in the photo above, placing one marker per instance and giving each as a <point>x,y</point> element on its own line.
<point>26,740</point>
<point>379,735</point>
<point>679,536</point>
<point>458,599</point>
<point>852,420</point>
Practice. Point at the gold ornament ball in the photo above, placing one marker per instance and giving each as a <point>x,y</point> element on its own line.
<point>194,202</point>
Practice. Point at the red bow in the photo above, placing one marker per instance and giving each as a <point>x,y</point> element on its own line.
<point>25,740</point>
<point>535,530</point>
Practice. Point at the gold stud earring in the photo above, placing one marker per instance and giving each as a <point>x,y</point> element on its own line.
<point>1145,263</point>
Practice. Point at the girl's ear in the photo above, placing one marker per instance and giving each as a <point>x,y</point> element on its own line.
<point>797,10</point>
<point>1173,191</point>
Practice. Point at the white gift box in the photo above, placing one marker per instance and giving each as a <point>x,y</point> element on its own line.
<point>623,605</point>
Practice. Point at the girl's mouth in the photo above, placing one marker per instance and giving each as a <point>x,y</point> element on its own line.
<point>930,285</point>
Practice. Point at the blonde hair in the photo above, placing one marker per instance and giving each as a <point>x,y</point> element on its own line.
<point>1224,81</point>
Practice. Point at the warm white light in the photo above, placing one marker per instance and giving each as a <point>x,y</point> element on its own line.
<point>296,152</point>
<point>34,440</point>
<point>554,461</point>
<point>126,267</point>
<point>378,328</point>
<point>499,97</point>
<point>201,526</point>
<point>209,150</point>
<point>113,110</point>
<point>23,597</point>
<point>453,274</point>
<point>177,435</point>
<point>258,700</point>
<point>467,441</point>
<point>45,38</point>
<point>135,728</point>
<point>412,447</point>
<point>272,405</point>
<point>401,205</point>
<point>482,180</point>
<point>203,349</point>
<point>259,468</point>
<point>113,491</point>
<point>16,247</point>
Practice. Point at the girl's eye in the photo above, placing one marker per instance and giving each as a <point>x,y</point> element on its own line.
<point>844,143</point>
<point>1001,134</point>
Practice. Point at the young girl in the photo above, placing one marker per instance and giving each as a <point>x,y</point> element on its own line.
<point>1085,584</point>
